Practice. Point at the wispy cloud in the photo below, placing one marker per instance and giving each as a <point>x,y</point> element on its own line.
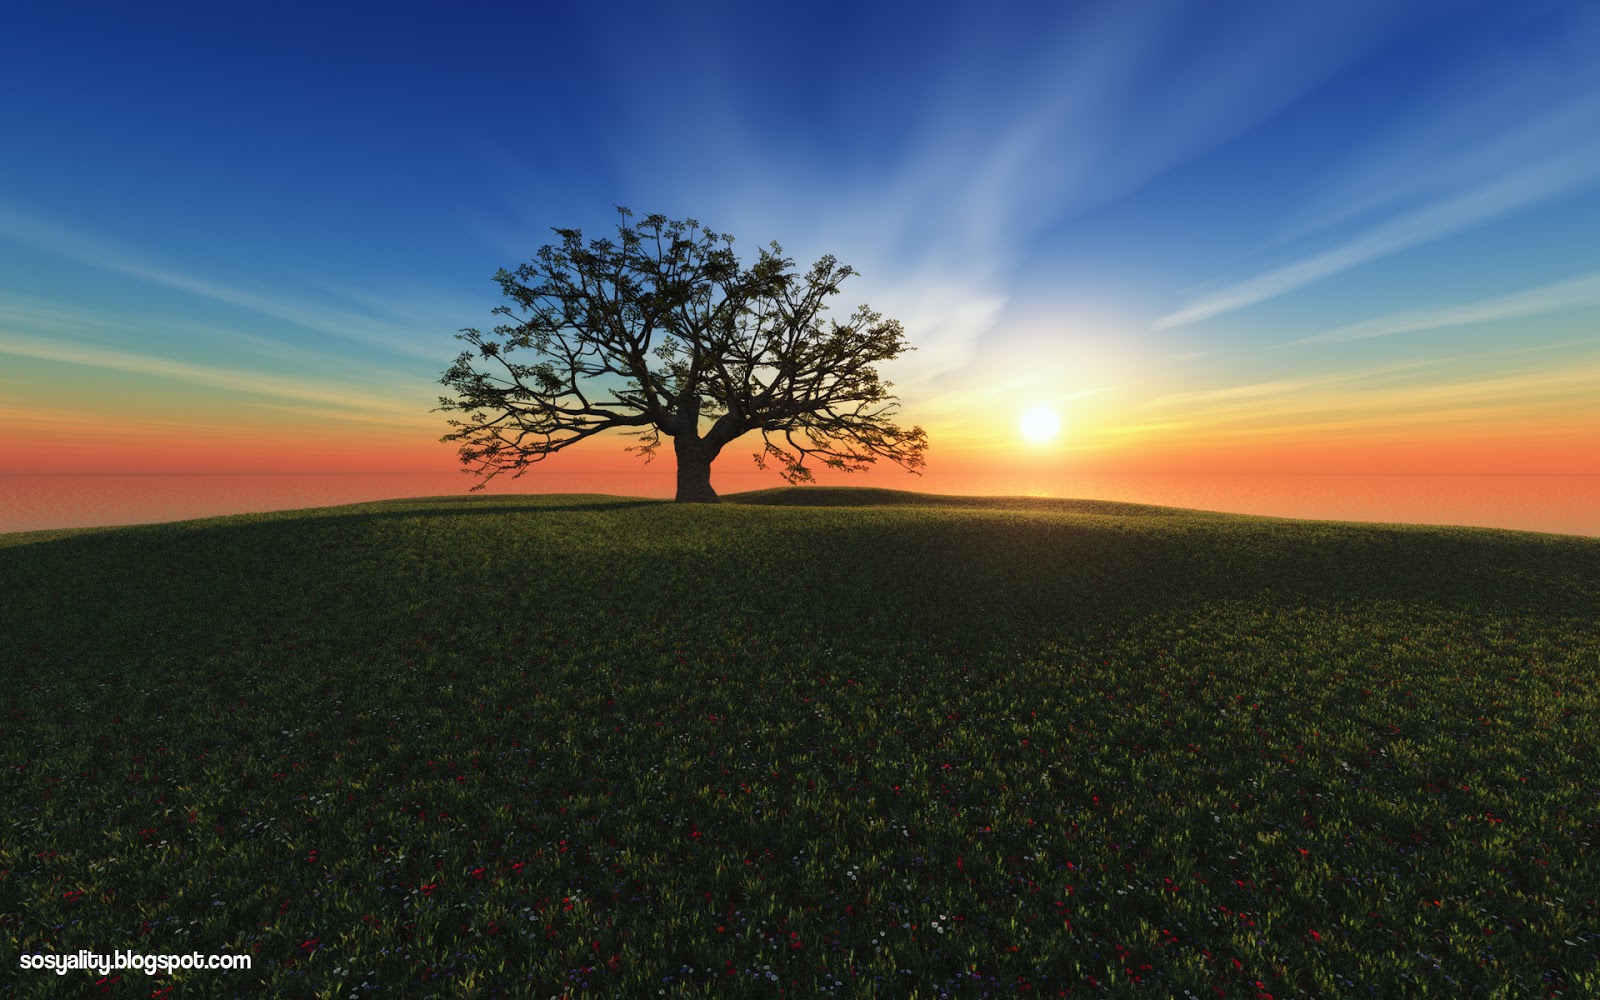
<point>43,421</point>
<point>1398,394</point>
<point>1128,103</point>
<point>1024,391</point>
<point>55,320</point>
<point>409,307</point>
<point>1561,296</point>
<point>1555,154</point>
<point>33,230</point>
<point>1249,393</point>
<point>1497,118</point>
<point>962,213</point>
<point>385,406</point>
<point>939,210</point>
<point>1540,399</point>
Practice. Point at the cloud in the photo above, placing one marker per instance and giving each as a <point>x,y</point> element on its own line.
<point>1127,101</point>
<point>1394,393</point>
<point>1248,393</point>
<point>1561,296</point>
<point>30,229</point>
<point>54,319</point>
<point>386,406</point>
<point>415,307</point>
<point>1557,154</point>
<point>1519,397</point>
<point>939,209</point>
<point>1497,118</point>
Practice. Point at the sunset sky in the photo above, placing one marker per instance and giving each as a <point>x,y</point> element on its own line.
<point>1219,236</point>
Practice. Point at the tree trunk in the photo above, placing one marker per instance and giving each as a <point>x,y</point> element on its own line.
<point>694,470</point>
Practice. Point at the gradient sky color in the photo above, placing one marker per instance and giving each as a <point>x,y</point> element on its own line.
<point>1214,236</point>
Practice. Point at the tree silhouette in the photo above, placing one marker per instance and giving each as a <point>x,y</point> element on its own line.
<point>664,334</point>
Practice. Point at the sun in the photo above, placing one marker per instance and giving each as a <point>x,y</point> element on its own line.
<point>1040,424</point>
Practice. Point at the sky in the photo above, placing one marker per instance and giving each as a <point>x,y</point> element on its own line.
<point>1212,236</point>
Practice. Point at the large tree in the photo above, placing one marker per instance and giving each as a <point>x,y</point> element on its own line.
<point>664,333</point>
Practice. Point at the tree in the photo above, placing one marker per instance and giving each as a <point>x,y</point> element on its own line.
<point>664,334</point>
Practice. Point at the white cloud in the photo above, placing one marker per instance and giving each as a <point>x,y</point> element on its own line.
<point>49,319</point>
<point>1253,393</point>
<point>1561,296</point>
<point>30,229</point>
<point>1558,154</point>
<point>1397,406</point>
<point>1396,388</point>
<point>388,406</point>
<point>939,214</point>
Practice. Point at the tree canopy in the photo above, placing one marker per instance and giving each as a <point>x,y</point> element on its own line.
<point>663,333</point>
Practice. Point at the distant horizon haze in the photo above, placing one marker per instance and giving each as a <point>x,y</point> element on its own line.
<point>1561,504</point>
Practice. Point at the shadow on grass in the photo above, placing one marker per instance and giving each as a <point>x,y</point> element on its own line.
<point>868,496</point>
<point>476,506</point>
<point>445,506</point>
<point>370,579</point>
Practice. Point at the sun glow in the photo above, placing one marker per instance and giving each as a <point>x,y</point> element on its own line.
<point>1040,424</point>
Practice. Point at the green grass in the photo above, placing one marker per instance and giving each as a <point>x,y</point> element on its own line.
<point>807,743</point>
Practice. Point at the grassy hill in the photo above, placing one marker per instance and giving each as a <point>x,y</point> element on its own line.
<point>829,741</point>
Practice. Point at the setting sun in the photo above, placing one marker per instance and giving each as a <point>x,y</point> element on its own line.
<point>1040,424</point>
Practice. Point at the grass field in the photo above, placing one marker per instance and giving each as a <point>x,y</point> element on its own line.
<point>805,743</point>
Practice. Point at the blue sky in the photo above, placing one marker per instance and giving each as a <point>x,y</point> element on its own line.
<point>1186,226</point>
